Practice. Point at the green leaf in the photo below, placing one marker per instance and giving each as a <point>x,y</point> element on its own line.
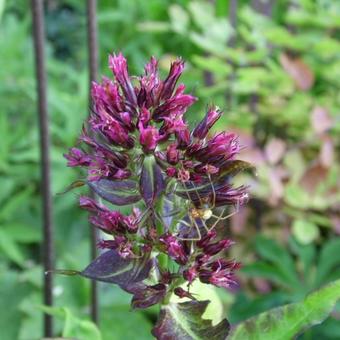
<point>287,321</point>
<point>215,65</point>
<point>305,231</point>
<point>306,254</point>
<point>15,203</point>
<point>202,13</point>
<point>272,252</point>
<point>179,321</point>
<point>10,248</point>
<point>2,8</point>
<point>329,259</point>
<point>266,271</point>
<point>12,292</point>
<point>296,196</point>
<point>215,310</point>
<point>73,326</point>
<point>179,19</point>
<point>22,233</point>
<point>117,323</point>
<point>222,8</point>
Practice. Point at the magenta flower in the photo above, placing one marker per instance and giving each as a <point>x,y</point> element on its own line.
<point>138,150</point>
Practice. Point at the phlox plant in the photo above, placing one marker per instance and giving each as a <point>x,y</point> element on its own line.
<point>138,151</point>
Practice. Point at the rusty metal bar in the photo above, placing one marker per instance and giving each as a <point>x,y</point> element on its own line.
<point>92,37</point>
<point>47,247</point>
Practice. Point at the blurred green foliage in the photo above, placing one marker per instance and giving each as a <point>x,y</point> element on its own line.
<point>276,77</point>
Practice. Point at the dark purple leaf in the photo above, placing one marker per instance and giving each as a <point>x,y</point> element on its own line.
<point>183,321</point>
<point>151,182</point>
<point>116,192</point>
<point>111,267</point>
<point>147,296</point>
<point>169,211</point>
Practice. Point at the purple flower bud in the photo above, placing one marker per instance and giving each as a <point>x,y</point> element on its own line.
<point>202,259</point>
<point>109,221</point>
<point>226,195</point>
<point>172,154</point>
<point>113,130</point>
<point>166,277</point>
<point>175,105</point>
<point>132,221</point>
<point>150,86</point>
<point>77,157</point>
<point>120,244</point>
<point>106,97</point>
<point>88,204</point>
<point>112,244</point>
<point>221,273</point>
<point>174,248</point>
<point>122,174</point>
<point>144,116</point>
<point>183,138</point>
<point>119,159</point>
<point>202,129</point>
<point>126,119</point>
<point>221,147</point>
<point>206,169</point>
<point>146,248</point>
<point>210,235</point>
<point>118,65</point>
<point>101,168</point>
<point>176,70</point>
<point>173,124</point>
<point>190,274</point>
<point>180,292</point>
<point>171,172</point>
<point>151,68</point>
<point>214,248</point>
<point>148,296</point>
<point>183,175</point>
<point>125,250</point>
<point>149,137</point>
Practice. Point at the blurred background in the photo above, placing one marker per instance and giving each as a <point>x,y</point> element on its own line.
<point>273,66</point>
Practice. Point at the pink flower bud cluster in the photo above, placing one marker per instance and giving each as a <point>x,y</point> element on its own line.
<point>138,119</point>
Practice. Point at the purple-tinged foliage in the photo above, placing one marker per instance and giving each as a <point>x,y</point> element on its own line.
<point>184,321</point>
<point>139,151</point>
<point>152,182</point>
<point>113,268</point>
<point>146,296</point>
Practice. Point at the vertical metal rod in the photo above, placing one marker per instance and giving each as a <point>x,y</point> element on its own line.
<point>93,75</point>
<point>47,247</point>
